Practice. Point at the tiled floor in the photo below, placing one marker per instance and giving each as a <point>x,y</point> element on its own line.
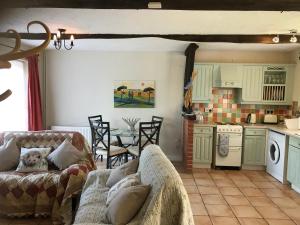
<point>240,197</point>
<point>221,197</point>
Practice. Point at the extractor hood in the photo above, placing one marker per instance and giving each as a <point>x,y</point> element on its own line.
<point>227,76</point>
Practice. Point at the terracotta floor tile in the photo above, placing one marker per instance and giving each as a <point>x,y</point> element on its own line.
<point>204,182</point>
<point>252,192</point>
<point>190,189</point>
<point>188,181</point>
<point>236,200</point>
<point>224,221</point>
<point>195,198</point>
<point>224,183</point>
<point>202,220</point>
<point>270,212</point>
<point>204,190</point>
<point>244,183</point>
<point>252,221</point>
<point>230,191</point>
<point>220,176</point>
<point>245,211</point>
<point>264,184</point>
<point>186,175</point>
<point>280,222</point>
<point>293,213</point>
<point>198,209</point>
<point>219,210</point>
<point>273,192</point>
<point>213,200</point>
<point>261,201</point>
<point>285,202</point>
<point>201,175</point>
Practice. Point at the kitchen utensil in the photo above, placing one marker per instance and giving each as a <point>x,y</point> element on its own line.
<point>270,118</point>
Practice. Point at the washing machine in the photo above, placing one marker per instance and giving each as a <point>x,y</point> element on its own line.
<point>277,156</point>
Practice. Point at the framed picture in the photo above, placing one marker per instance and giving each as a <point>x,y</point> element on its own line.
<point>134,94</point>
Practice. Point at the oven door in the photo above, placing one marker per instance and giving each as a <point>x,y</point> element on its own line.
<point>235,140</point>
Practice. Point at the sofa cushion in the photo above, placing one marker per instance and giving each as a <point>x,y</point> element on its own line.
<point>130,180</point>
<point>65,155</point>
<point>120,172</point>
<point>126,204</point>
<point>9,155</point>
<point>33,160</point>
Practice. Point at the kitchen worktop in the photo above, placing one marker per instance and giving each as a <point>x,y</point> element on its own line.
<point>281,128</point>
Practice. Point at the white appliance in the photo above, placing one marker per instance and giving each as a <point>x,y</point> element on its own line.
<point>277,156</point>
<point>270,118</point>
<point>235,137</point>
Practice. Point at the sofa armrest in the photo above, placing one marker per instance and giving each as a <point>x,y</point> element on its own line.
<point>97,178</point>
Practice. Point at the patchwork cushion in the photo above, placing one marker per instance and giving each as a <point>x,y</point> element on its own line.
<point>130,180</point>
<point>122,171</point>
<point>65,155</point>
<point>33,160</point>
<point>9,155</point>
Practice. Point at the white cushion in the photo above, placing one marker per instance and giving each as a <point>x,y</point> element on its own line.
<point>128,181</point>
<point>9,155</point>
<point>33,160</point>
<point>65,155</point>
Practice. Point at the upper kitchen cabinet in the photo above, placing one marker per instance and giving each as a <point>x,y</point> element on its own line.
<point>252,83</point>
<point>202,83</point>
<point>227,76</point>
<point>267,84</point>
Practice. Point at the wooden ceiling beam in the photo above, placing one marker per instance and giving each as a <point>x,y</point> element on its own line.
<point>229,38</point>
<point>243,5</point>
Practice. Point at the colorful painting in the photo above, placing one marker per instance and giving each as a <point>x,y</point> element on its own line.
<point>134,94</point>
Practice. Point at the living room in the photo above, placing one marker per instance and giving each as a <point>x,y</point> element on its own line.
<point>98,62</point>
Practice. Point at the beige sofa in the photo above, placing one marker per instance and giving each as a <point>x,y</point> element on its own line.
<point>167,203</point>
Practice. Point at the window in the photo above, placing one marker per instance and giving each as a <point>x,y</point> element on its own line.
<point>13,110</point>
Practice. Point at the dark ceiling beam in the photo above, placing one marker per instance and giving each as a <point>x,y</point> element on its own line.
<point>243,5</point>
<point>230,38</point>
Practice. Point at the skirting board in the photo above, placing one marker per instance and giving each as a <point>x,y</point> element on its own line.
<point>201,166</point>
<point>246,167</point>
<point>295,188</point>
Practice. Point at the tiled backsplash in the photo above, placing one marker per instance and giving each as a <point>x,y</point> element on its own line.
<point>226,109</point>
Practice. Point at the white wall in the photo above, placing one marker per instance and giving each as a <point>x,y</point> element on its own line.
<point>80,83</point>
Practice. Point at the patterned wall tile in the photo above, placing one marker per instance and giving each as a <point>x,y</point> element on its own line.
<point>226,109</point>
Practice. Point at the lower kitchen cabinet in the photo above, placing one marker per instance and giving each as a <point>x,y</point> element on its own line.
<point>293,168</point>
<point>254,147</point>
<point>202,146</point>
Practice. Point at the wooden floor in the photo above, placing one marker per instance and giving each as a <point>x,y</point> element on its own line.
<point>221,197</point>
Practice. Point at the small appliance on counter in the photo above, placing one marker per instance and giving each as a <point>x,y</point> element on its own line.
<point>251,118</point>
<point>270,118</point>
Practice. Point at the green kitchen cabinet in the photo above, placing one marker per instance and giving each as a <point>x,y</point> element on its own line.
<point>202,145</point>
<point>293,168</point>
<point>202,83</point>
<point>252,83</point>
<point>254,147</point>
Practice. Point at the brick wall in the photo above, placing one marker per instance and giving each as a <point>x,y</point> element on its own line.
<point>188,144</point>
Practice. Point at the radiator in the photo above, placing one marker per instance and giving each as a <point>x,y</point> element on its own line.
<point>85,131</point>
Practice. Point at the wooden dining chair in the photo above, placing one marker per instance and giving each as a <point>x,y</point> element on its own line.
<point>115,154</point>
<point>157,118</point>
<point>148,134</point>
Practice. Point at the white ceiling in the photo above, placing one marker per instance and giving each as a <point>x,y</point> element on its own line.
<point>155,22</point>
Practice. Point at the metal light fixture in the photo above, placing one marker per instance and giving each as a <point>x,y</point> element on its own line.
<point>293,39</point>
<point>59,40</point>
<point>276,39</point>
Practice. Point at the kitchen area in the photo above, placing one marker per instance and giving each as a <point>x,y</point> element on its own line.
<point>244,117</point>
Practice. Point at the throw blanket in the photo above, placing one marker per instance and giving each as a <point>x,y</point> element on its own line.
<point>223,144</point>
<point>42,194</point>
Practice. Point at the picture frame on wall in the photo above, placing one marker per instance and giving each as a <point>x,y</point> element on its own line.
<point>134,94</point>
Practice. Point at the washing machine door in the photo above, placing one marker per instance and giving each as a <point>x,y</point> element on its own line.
<point>274,152</point>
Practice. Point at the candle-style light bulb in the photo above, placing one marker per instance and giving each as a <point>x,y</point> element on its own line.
<point>58,34</point>
<point>72,37</point>
<point>54,37</point>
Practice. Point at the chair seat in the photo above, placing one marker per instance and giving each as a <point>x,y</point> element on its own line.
<point>116,150</point>
<point>133,150</point>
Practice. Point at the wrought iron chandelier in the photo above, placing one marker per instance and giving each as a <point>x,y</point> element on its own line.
<point>60,40</point>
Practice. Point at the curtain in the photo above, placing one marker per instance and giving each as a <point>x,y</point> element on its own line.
<point>35,120</point>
